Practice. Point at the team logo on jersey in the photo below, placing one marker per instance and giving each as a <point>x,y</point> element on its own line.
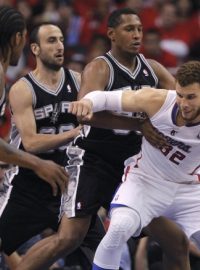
<point>55,114</point>
<point>69,90</point>
<point>173,132</point>
<point>145,72</point>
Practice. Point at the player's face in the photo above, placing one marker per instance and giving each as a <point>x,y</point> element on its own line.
<point>188,100</point>
<point>51,47</point>
<point>20,40</point>
<point>127,36</point>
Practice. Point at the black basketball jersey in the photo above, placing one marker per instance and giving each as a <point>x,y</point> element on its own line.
<point>117,145</point>
<point>51,117</point>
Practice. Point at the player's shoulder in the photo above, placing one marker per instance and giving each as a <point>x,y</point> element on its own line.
<point>155,65</point>
<point>98,64</point>
<point>20,84</point>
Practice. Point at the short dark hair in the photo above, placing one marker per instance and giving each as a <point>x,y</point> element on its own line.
<point>188,73</point>
<point>34,33</point>
<point>11,22</point>
<point>115,17</point>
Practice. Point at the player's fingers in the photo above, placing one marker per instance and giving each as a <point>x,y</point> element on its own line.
<point>85,111</point>
<point>75,108</point>
<point>79,109</point>
<point>70,108</point>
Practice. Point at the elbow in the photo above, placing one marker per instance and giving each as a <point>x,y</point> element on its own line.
<point>30,147</point>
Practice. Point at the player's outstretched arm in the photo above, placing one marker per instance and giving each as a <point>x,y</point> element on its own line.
<point>49,171</point>
<point>128,101</point>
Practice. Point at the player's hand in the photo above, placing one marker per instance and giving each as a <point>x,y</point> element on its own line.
<point>53,174</point>
<point>152,135</point>
<point>82,109</point>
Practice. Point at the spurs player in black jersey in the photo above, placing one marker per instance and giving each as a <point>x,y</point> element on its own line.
<point>13,37</point>
<point>105,151</point>
<point>41,125</point>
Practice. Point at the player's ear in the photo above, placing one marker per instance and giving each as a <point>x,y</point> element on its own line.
<point>111,33</point>
<point>35,49</point>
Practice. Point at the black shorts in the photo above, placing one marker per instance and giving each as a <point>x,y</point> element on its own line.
<point>91,186</point>
<point>22,218</point>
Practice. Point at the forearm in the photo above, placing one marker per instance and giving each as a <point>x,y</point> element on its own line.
<point>113,121</point>
<point>44,142</point>
<point>103,100</point>
<point>11,155</point>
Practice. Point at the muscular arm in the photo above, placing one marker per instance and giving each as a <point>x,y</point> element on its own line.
<point>128,101</point>
<point>21,103</point>
<point>134,101</point>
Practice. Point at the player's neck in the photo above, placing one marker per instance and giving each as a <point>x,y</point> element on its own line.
<point>50,78</point>
<point>125,59</point>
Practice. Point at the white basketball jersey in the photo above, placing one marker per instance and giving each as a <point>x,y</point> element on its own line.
<point>181,162</point>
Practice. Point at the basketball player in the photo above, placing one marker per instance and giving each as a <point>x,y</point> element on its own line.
<point>41,125</point>
<point>13,35</point>
<point>106,150</point>
<point>157,182</point>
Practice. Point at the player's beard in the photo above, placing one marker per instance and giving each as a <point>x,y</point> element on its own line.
<point>193,117</point>
<point>52,65</point>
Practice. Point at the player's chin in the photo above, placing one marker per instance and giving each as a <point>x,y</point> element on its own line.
<point>133,52</point>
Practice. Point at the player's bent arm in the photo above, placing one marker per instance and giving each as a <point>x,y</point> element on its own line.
<point>113,121</point>
<point>20,98</point>
<point>166,80</point>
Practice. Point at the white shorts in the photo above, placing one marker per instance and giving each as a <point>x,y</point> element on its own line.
<point>156,197</point>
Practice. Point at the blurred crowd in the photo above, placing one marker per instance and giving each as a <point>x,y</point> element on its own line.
<point>171,29</point>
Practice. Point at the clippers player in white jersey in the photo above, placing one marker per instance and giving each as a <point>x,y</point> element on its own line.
<point>12,41</point>
<point>106,150</point>
<point>156,182</point>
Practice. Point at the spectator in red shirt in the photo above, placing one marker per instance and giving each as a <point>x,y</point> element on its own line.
<point>152,49</point>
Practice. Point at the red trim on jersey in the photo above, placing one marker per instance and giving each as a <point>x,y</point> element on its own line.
<point>126,172</point>
<point>137,161</point>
